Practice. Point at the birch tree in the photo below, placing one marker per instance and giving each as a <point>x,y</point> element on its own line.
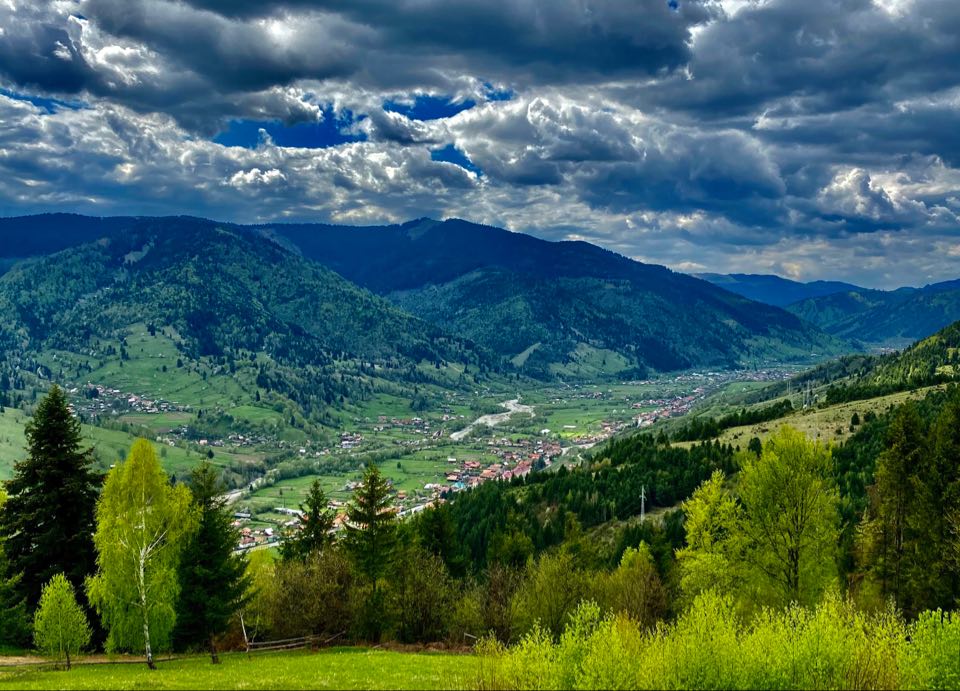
<point>142,525</point>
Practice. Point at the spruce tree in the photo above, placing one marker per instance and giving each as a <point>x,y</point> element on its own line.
<point>14,623</point>
<point>213,580</point>
<point>371,525</point>
<point>47,522</point>
<point>315,529</point>
<point>371,541</point>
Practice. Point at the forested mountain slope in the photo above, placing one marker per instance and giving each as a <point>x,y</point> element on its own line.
<point>875,316</point>
<point>221,293</point>
<point>556,307</point>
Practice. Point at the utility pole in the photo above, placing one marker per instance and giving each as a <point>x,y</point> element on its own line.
<point>643,502</point>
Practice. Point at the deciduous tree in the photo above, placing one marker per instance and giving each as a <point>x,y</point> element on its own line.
<point>60,627</point>
<point>142,524</point>
<point>791,519</point>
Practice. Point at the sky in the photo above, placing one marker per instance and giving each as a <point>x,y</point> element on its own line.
<point>814,139</point>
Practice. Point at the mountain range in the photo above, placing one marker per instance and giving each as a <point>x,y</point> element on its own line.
<point>775,290</point>
<point>881,317</point>
<point>446,293</point>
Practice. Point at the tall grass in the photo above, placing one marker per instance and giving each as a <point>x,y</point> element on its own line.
<point>833,646</point>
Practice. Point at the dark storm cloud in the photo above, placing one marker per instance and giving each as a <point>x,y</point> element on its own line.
<point>524,40</point>
<point>815,56</point>
<point>35,53</point>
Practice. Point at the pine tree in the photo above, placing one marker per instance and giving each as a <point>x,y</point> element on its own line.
<point>48,520</point>
<point>884,537</point>
<point>371,540</point>
<point>213,580</point>
<point>315,528</point>
<point>931,572</point>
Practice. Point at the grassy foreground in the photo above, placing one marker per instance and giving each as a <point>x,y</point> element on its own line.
<point>338,668</point>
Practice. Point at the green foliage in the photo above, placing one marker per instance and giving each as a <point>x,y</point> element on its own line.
<point>316,526</point>
<point>14,621</point>
<point>549,593</point>
<point>713,555</point>
<point>707,428</point>
<point>831,646</point>
<point>309,596</point>
<point>634,589</point>
<point>421,595</point>
<point>142,526</point>
<point>60,628</point>
<point>213,582</point>
<point>507,523</point>
<point>906,544</point>
<point>790,525</point>
<point>48,520</point>
<point>371,539</point>
<point>775,541</point>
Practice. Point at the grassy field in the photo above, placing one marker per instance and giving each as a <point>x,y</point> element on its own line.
<point>108,445</point>
<point>341,668</point>
<point>830,424</point>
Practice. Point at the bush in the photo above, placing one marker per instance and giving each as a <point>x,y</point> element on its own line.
<point>550,592</point>
<point>421,594</point>
<point>313,596</point>
<point>833,646</point>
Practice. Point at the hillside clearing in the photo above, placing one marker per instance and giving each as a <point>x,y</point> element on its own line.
<point>830,424</point>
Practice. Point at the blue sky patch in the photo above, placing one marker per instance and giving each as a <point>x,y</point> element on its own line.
<point>492,93</point>
<point>452,154</point>
<point>426,107</point>
<point>308,135</point>
<point>51,105</point>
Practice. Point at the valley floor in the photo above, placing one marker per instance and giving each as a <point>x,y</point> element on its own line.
<point>338,668</point>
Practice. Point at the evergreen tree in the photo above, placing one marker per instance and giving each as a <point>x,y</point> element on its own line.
<point>316,526</point>
<point>885,542</point>
<point>48,520</point>
<point>932,570</point>
<point>213,580</point>
<point>14,623</point>
<point>371,540</point>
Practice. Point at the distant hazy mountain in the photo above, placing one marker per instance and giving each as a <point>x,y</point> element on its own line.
<point>875,316</point>
<point>774,290</point>
<point>563,307</point>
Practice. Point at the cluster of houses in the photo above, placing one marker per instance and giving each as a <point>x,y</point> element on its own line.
<point>96,400</point>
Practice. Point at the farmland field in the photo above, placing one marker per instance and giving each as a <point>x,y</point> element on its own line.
<point>340,668</point>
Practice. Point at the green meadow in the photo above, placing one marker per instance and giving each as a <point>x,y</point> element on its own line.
<point>338,668</point>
